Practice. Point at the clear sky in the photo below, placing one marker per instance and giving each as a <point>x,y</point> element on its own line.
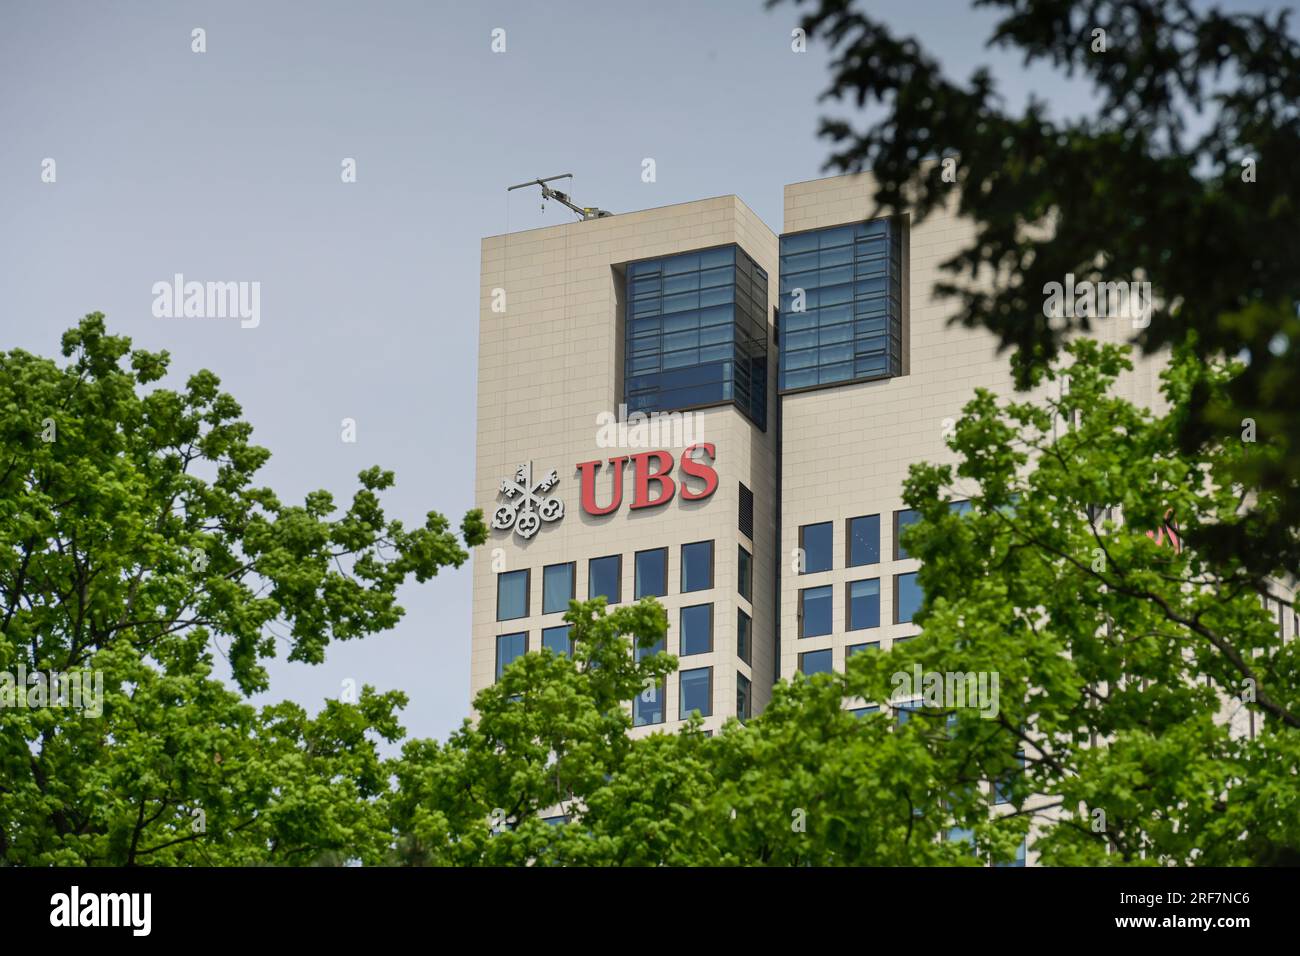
<point>225,165</point>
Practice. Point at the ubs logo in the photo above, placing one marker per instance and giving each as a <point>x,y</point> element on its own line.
<point>527,504</point>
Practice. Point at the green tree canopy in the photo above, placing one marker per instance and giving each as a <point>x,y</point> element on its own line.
<point>1181,173</point>
<point>134,542</point>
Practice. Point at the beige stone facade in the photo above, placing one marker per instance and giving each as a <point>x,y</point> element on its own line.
<point>549,365</point>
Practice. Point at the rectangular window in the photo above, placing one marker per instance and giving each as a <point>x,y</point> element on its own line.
<point>652,573</point>
<point>648,706</point>
<point>745,575</point>
<point>697,630</point>
<point>605,578</point>
<point>510,647</point>
<point>815,611</point>
<point>859,648</point>
<point>903,519</point>
<point>907,597</point>
<point>696,333</point>
<point>863,609</point>
<point>841,304</point>
<point>815,542</point>
<point>863,541</point>
<point>815,662</point>
<point>697,566</point>
<point>746,512</point>
<point>743,693</point>
<point>863,711</point>
<point>557,639</point>
<point>512,595</point>
<point>696,688</point>
<point>744,636</point>
<point>557,587</point>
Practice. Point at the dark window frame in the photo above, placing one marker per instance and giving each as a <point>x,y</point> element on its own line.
<point>618,579</point>
<point>681,697</point>
<point>748,709</point>
<point>897,579</point>
<point>681,583</point>
<point>848,541</point>
<point>898,544</point>
<point>636,589</point>
<point>802,615</point>
<point>848,605</point>
<point>498,668</point>
<point>821,650</point>
<point>747,657</point>
<point>681,630</point>
<point>560,627</point>
<point>830,550</point>
<point>573,584</point>
<point>747,591</point>
<point>528,593</point>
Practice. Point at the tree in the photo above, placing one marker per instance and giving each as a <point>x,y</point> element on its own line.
<point>1181,176</point>
<point>133,542</point>
<point>1127,667</point>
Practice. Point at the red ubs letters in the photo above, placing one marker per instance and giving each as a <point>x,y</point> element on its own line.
<point>650,468</point>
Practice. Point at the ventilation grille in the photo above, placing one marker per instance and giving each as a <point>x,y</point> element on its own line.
<point>746,512</point>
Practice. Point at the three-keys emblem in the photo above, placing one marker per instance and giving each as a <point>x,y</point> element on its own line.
<point>527,504</point>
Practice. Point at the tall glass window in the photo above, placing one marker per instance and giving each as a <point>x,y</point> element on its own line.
<point>558,640</point>
<point>510,647</point>
<point>697,566</point>
<point>697,629</point>
<point>512,595</point>
<point>864,604</point>
<point>652,573</point>
<point>745,574</point>
<point>744,693</point>
<point>864,540</point>
<point>815,540</point>
<point>902,520</point>
<point>648,706</point>
<point>907,597</point>
<point>697,333</point>
<point>557,587</point>
<point>696,692</point>
<point>605,578</point>
<point>841,304</point>
<point>815,611</point>
<point>744,636</point>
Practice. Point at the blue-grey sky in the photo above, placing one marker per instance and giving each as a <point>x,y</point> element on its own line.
<point>225,165</point>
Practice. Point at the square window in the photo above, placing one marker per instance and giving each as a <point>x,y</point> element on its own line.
<point>903,519</point>
<point>652,573</point>
<point>557,639</point>
<point>744,636</point>
<point>815,662</point>
<point>512,595</point>
<point>859,648</point>
<point>697,630</point>
<point>864,541</point>
<point>815,611</point>
<point>863,604</point>
<point>557,587</point>
<point>696,688</point>
<point>697,566</point>
<point>510,647</point>
<point>907,597</point>
<point>605,578</point>
<point>745,575</point>
<point>743,695</point>
<point>815,546</point>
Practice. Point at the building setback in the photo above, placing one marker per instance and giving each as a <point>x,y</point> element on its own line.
<point>812,369</point>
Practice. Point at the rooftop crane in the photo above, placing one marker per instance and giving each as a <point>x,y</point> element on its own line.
<point>584,212</point>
